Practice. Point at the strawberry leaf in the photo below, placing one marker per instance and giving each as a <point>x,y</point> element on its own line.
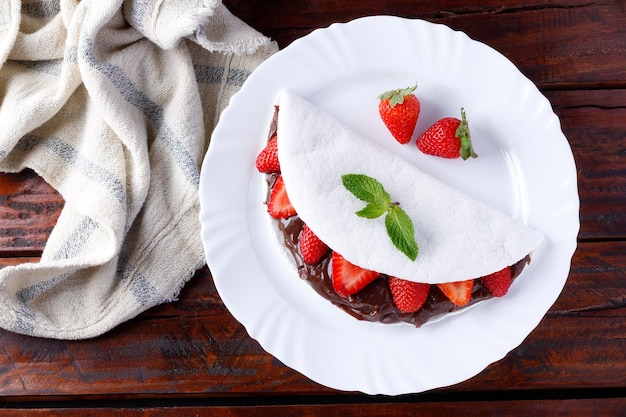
<point>397,96</point>
<point>367,189</point>
<point>400,230</point>
<point>463,133</point>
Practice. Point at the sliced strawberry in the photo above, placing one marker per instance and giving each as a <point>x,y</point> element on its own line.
<point>279,206</point>
<point>311,246</point>
<point>458,292</point>
<point>267,160</point>
<point>408,296</point>
<point>499,282</point>
<point>348,278</point>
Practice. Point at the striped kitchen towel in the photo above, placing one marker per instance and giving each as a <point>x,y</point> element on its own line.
<point>113,103</point>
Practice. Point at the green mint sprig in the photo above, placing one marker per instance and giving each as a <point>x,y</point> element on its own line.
<point>398,224</point>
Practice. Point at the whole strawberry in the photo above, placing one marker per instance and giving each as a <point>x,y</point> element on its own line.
<point>448,138</point>
<point>399,110</point>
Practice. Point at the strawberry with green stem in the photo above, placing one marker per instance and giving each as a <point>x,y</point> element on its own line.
<point>399,110</point>
<point>448,138</point>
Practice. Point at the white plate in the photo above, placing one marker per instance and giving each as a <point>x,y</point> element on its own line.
<point>525,168</point>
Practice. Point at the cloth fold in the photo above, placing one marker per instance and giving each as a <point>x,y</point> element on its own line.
<point>113,104</point>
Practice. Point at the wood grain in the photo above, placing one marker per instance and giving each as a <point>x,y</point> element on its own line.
<point>192,358</point>
<point>592,120</point>
<point>196,349</point>
<point>29,209</point>
<point>513,408</point>
<point>554,43</point>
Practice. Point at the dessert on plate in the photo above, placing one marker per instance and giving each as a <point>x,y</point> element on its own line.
<point>374,234</point>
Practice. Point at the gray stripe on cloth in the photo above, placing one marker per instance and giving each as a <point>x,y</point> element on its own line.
<point>70,55</point>
<point>21,323</point>
<point>30,293</point>
<point>72,247</point>
<point>139,286</point>
<point>25,313</point>
<point>208,74</point>
<point>149,108</point>
<point>71,156</point>
<point>41,9</point>
<point>77,240</point>
<point>236,77</point>
<point>138,13</point>
<point>144,292</point>
<point>49,66</point>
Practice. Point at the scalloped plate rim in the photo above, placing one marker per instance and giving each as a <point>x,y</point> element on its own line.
<point>228,233</point>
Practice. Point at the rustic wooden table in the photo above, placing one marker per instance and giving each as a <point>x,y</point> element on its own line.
<point>191,357</point>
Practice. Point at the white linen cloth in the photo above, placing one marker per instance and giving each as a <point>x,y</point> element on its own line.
<point>113,103</point>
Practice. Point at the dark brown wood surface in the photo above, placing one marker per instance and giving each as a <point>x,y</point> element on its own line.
<point>191,358</point>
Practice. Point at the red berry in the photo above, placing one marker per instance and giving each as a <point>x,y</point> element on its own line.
<point>399,110</point>
<point>408,296</point>
<point>447,138</point>
<point>311,247</point>
<point>267,160</point>
<point>278,205</point>
<point>499,282</point>
<point>348,278</point>
<point>458,292</point>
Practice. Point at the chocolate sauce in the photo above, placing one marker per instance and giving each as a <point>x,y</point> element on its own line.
<point>374,302</point>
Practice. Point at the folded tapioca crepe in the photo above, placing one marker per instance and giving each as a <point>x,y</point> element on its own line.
<point>459,238</point>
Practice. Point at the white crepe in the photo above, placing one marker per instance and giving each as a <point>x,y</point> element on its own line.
<point>458,237</point>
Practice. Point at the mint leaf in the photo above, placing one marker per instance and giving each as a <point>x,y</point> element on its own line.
<point>372,210</point>
<point>366,188</point>
<point>398,224</point>
<point>400,230</point>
